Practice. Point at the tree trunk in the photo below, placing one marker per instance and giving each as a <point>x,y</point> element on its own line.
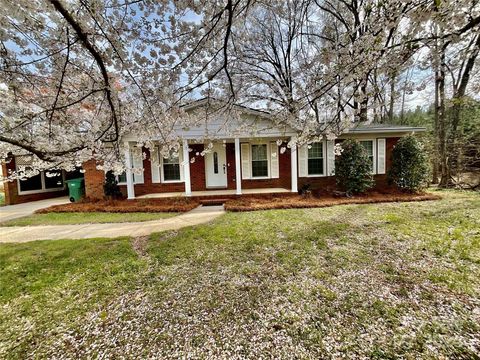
<point>375,97</point>
<point>435,132</point>
<point>457,100</point>
<point>442,134</point>
<point>451,144</point>
<point>392,98</point>
<point>364,102</point>
<point>404,94</point>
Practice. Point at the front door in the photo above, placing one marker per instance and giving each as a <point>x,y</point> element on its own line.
<point>216,167</point>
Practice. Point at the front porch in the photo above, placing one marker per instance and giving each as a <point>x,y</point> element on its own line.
<point>226,167</point>
<point>223,192</point>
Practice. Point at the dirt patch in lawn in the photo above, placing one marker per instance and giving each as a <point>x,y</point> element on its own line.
<point>139,244</point>
<point>299,201</point>
<point>126,206</point>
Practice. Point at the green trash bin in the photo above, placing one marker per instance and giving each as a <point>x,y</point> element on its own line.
<point>76,189</point>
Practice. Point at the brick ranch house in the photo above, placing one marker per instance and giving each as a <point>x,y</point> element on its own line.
<point>246,157</point>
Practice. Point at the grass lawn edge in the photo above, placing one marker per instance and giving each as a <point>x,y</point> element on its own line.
<point>85,218</point>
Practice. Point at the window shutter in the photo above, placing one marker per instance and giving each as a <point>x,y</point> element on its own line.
<point>381,145</point>
<point>180,161</point>
<point>155,165</point>
<point>245,154</point>
<point>274,160</point>
<point>330,157</point>
<point>137,161</point>
<point>302,161</point>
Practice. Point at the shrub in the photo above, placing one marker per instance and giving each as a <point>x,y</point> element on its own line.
<point>353,168</point>
<point>305,190</point>
<point>409,170</point>
<point>110,187</point>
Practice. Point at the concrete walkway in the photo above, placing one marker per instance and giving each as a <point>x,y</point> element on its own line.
<point>197,216</point>
<point>10,212</point>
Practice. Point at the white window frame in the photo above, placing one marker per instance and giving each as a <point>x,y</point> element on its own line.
<point>324,149</point>
<point>374,150</point>
<point>267,144</point>
<point>42,180</point>
<point>162,172</point>
<point>125,183</point>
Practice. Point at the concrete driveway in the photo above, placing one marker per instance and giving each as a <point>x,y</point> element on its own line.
<point>10,212</point>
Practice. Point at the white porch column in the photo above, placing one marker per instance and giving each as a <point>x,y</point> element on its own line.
<point>293,163</point>
<point>129,173</point>
<point>186,169</point>
<point>238,172</point>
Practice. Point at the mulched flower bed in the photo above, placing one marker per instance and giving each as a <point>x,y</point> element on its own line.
<point>298,201</point>
<point>243,203</point>
<point>126,206</point>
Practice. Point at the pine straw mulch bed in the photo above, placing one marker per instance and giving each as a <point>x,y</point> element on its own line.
<point>125,206</point>
<point>299,201</point>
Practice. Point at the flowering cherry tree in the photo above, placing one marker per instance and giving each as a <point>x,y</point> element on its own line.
<point>77,76</point>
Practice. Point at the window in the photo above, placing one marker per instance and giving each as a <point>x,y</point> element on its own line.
<point>171,168</point>
<point>315,159</point>
<point>53,179</point>
<point>33,183</point>
<point>259,160</point>
<point>215,162</point>
<point>122,178</point>
<point>368,145</point>
<point>42,182</point>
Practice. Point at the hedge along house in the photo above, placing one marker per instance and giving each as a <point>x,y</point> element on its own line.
<point>245,155</point>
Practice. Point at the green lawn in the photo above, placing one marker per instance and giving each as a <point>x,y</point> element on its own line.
<point>2,198</point>
<point>360,281</point>
<point>84,218</point>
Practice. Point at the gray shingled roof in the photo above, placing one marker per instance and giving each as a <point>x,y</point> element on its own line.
<point>359,128</point>
<point>373,128</point>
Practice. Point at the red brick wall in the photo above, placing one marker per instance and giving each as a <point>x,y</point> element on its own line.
<point>148,187</point>
<point>283,181</point>
<point>197,168</point>
<point>11,188</point>
<point>94,180</point>
<point>231,164</point>
<point>328,183</point>
<point>381,181</point>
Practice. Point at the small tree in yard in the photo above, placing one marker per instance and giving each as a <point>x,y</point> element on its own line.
<point>410,170</point>
<point>110,187</point>
<point>353,168</point>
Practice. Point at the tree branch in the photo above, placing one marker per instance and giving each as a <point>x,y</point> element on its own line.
<point>91,48</point>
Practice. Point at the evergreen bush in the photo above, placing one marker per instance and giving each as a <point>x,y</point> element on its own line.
<point>409,170</point>
<point>110,187</point>
<point>353,168</point>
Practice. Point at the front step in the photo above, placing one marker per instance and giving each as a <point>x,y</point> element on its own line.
<point>212,202</point>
